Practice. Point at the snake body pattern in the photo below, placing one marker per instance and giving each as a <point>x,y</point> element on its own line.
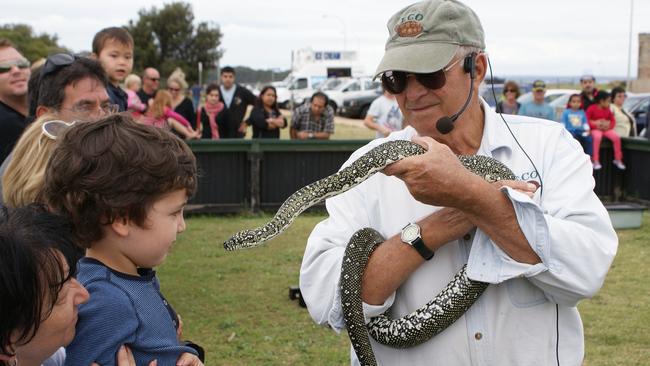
<point>412,329</point>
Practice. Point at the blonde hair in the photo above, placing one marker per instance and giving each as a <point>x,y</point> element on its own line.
<point>132,78</point>
<point>24,178</point>
<point>160,101</point>
<point>178,77</point>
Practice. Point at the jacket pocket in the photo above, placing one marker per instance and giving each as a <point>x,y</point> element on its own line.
<point>524,294</point>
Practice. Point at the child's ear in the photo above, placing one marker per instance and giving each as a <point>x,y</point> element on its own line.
<point>120,226</point>
<point>94,56</point>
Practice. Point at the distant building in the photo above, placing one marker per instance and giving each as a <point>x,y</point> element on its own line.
<point>642,83</point>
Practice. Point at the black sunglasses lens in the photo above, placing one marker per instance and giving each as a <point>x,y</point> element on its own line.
<point>433,80</point>
<point>394,82</point>
<point>61,59</point>
<point>56,62</point>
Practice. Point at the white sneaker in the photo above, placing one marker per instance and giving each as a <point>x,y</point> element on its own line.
<point>619,164</point>
<point>597,165</point>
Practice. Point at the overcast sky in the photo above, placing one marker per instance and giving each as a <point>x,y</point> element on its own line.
<point>524,37</point>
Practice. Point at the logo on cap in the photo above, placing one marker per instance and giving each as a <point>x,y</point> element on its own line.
<point>410,26</point>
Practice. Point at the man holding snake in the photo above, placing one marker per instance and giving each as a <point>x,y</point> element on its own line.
<point>542,250</point>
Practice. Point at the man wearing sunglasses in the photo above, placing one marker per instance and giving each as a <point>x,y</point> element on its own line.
<point>69,88</point>
<point>150,83</point>
<point>14,75</point>
<point>541,250</point>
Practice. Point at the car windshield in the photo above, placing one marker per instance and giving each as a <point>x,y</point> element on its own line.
<point>632,101</point>
<point>332,83</point>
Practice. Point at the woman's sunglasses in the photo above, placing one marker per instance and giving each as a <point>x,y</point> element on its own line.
<point>53,129</point>
<point>395,82</point>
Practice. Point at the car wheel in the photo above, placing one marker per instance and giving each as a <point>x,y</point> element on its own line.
<point>333,105</point>
<point>364,111</point>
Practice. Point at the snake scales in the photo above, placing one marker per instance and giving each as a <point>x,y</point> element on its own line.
<point>412,329</point>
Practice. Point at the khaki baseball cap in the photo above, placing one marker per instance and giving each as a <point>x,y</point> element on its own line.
<point>425,36</point>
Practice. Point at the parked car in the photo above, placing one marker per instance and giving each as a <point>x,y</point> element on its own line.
<point>357,106</point>
<point>485,91</point>
<point>337,92</point>
<point>559,104</point>
<point>637,105</point>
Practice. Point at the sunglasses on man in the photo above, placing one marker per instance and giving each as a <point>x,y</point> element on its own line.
<point>6,66</point>
<point>395,82</point>
<point>56,62</point>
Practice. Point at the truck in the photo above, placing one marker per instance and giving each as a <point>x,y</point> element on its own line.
<point>309,69</point>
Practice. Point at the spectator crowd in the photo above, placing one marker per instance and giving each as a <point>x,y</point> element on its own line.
<point>589,115</point>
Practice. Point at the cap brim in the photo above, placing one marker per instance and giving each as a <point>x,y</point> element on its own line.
<point>417,58</point>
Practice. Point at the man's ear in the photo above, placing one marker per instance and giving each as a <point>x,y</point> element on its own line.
<point>481,67</point>
<point>41,110</point>
<point>120,226</point>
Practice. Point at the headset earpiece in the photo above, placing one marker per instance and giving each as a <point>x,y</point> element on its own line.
<point>469,65</point>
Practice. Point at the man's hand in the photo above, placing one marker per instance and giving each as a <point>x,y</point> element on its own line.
<point>527,188</point>
<point>436,177</point>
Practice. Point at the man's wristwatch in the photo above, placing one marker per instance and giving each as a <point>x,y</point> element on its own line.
<point>411,236</point>
<point>310,135</point>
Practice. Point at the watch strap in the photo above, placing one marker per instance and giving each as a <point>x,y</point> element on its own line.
<point>425,252</point>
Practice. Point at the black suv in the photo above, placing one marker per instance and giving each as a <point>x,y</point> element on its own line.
<point>357,107</point>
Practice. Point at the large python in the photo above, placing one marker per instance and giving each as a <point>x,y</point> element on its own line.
<point>412,329</point>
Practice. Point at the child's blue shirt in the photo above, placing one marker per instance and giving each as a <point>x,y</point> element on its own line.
<point>123,310</point>
<point>575,121</point>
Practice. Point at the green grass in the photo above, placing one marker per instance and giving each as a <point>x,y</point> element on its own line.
<point>236,304</point>
<point>617,319</point>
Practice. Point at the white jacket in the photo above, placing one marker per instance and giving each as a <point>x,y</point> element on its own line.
<point>514,321</point>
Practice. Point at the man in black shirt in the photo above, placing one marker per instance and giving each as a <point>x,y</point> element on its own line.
<point>589,91</point>
<point>150,83</point>
<point>14,75</point>
<point>236,98</point>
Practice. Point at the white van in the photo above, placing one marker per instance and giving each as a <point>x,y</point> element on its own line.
<point>310,69</point>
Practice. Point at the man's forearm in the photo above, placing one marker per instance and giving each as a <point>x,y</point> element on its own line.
<point>493,213</point>
<point>437,229</point>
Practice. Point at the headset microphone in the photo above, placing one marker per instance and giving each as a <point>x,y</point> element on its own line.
<point>446,124</point>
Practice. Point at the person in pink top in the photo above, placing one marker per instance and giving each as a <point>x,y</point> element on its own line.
<point>160,114</point>
<point>602,122</point>
<point>134,104</point>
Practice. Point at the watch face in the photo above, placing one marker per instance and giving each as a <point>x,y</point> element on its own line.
<point>410,233</point>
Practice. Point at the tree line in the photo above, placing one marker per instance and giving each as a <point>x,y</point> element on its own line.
<point>164,38</point>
